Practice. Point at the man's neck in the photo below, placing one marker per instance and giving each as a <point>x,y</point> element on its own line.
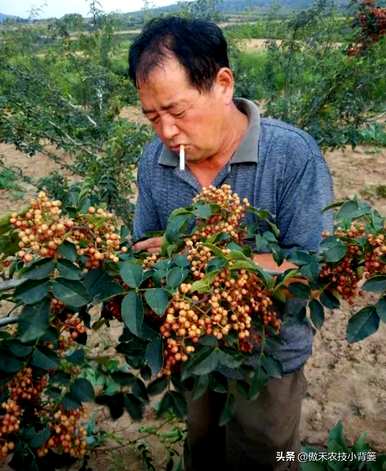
<point>206,170</point>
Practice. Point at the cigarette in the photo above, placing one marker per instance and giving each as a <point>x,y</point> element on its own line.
<point>182,157</point>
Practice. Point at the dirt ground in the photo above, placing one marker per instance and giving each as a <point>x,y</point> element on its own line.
<point>346,382</point>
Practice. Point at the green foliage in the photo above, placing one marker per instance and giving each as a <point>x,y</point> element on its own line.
<point>308,78</point>
<point>70,92</point>
<point>8,179</point>
<point>340,455</point>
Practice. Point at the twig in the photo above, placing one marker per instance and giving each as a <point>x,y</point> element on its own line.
<point>8,320</point>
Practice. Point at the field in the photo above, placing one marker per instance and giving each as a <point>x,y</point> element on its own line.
<point>98,134</point>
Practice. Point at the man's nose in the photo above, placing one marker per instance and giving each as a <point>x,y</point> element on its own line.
<point>168,128</point>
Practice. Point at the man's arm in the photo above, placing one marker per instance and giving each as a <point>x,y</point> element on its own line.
<point>306,189</point>
<point>145,216</point>
<point>266,261</point>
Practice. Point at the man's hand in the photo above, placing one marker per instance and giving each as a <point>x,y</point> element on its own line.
<point>152,245</point>
<point>266,261</point>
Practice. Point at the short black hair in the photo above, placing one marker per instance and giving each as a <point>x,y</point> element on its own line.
<point>198,45</point>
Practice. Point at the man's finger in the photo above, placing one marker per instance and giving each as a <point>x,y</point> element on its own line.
<point>151,243</point>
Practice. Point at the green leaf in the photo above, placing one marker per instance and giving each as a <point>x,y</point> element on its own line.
<point>300,257</point>
<point>139,390</point>
<point>40,438</point>
<point>188,366</point>
<point>229,360</point>
<point>46,360</point>
<point>145,372</point>
<point>363,324</point>
<point>157,386</point>
<point>336,441</point>
<point>207,364</point>
<point>332,249</point>
<point>70,403</point>
<point>133,406</point>
<point>352,209</point>
<point>76,357</point>
<point>208,340</point>
<point>131,273</point>
<point>157,299</point>
<point>33,321</point>
<point>115,403</point>
<point>70,292</point>
<point>299,290</point>
<point>218,383</point>
<point>68,270</point>
<point>204,210</point>
<point>317,313</point>
<point>201,384</point>
<point>203,285</point>
<point>18,349</point>
<point>228,410</point>
<point>329,300</point>
<point>82,390</point>
<point>8,363</point>
<point>177,225</point>
<point>178,404</point>
<point>261,244</point>
<point>32,291</point>
<point>259,380</point>
<point>132,313</point>
<point>181,261</point>
<point>39,270</point>
<point>68,251</point>
<point>123,378</point>
<point>154,355</point>
<point>272,367</point>
<point>216,264</point>
<point>175,277</point>
<point>376,284</point>
<point>311,270</point>
<point>101,286</point>
<point>381,309</point>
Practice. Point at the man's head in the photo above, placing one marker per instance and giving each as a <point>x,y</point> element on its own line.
<point>185,85</point>
<point>199,46</point>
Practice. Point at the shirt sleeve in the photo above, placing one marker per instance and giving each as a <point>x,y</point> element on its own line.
<point>305,191</point>
<point>145,215</point>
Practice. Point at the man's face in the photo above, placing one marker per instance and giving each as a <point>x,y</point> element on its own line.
<point>180,114</point>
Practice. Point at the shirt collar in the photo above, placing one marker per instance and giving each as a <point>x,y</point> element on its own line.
<point>249,146</point>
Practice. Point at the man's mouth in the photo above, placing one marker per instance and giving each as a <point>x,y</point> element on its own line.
<point>175,148</point>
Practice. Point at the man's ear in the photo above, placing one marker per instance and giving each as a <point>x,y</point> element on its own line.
<point>224,84</point>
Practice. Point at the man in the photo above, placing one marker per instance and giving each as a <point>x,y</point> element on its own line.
<point>181,70</point>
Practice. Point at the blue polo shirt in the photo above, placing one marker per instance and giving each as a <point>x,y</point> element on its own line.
<point>276,167</point>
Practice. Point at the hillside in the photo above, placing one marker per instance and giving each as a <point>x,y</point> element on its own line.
<point>242,6</point>
<point>4,17</point>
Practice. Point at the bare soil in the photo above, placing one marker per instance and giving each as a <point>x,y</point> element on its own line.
<point>346,382</point>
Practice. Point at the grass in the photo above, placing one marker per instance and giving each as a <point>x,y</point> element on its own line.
<point>8,180</point>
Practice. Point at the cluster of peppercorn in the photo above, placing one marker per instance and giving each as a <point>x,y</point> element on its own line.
<point>232,211</point>
<point>25,392</point>
<point>67,434</point>
<point>237,300</point>
<point>23,389</point>
<point>372,21</point>
<point>375,260</point>
<point>345,276</point>
<point>43,229</point>
<point>236,304</point>
<point>9,426</point>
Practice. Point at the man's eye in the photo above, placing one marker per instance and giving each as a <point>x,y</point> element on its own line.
<point>179,115</point>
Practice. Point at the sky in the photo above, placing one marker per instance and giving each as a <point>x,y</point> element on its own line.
<point>57,8</point>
